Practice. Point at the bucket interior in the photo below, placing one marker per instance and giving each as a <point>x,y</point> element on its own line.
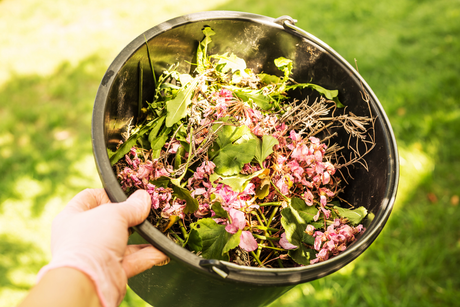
<point>258,40</point>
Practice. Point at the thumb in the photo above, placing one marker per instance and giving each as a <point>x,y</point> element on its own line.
<point>136,208</point>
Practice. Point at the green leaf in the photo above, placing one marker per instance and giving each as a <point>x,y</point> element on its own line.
<point>158,142</point>
<point>265,148</point>
<point>302,255</point>
<point>305,212</point>
<point>231,62</point>
<point>295,219</point>
<point>219,211</point>
<point>285,65</point>
<point>293,225</point>
<point>255,96</point>
<point>263,190</point>
<point>130,142</point>
<point>232,158</point>
<point>354,216</point>
<point>269,79</point>
<point>184,194</point>
<point>162,182</point>
<point>201,56</point>
<point>329,94</point>
<point>177,107</point>
<point>238,182</point>
<point>194,241</point>
<point>214,237</point>
<point>179,155</point>
<point>229,134</point>
<point>110,153</point>
<point>233,242</point>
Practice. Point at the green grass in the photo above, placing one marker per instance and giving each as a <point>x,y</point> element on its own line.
<point>408,52</point>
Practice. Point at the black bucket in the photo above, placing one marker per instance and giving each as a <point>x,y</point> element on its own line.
<point>189,280</point>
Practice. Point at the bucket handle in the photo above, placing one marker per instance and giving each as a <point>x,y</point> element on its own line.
<point>215,266</point>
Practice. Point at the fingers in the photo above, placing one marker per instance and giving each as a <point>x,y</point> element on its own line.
<point>142,259</point>
<point>132,248</point>
<point>87,199</point>
<point>135,209</point>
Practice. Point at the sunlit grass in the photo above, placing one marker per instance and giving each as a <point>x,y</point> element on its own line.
<point>54,54</point>
<point>37,36</point>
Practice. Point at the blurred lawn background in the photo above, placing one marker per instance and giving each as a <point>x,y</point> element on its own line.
<point>53,55</point>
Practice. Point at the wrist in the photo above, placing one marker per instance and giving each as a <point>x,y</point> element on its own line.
<point>105,273</point>
<point>63,286</point>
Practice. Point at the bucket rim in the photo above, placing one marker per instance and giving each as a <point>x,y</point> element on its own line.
<point>178,253</point>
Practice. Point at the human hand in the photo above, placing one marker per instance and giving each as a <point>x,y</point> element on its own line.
<point>91,235</point>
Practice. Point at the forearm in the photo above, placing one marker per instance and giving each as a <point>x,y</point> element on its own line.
<point>63,287</point>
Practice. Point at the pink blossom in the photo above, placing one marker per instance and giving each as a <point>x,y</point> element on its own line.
<point>249,189</point>
<point>238,221</point>
<point>282,186</point>
<point>295,136</point>
<point>314,140</point>
<point>203,210</point>
<point>310,229</point>
<point>225,93</point>
<point>226,194</point>
<point>316,217</point>
<point>300,152</point>
<point>308,197</point>
<point>247,241</point>
<point>296,169</point>
<point>145,169</point>
<point>285,243</point>
<point>323,200</point>
<point>177,208</point>
<point>199,191</point>
<point>318,242</point>
<point>173,146</point>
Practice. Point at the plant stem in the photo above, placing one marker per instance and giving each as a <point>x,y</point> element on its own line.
<point>182,228</point>
<point>257,258</point>
<point>263,216</point>
<point>273,203</point>
<point>279,192</point>
<point>274,248</point>
<point>272,216</point>
<point>266,228</point>
<point>265,237</point>
<point>177,237</point>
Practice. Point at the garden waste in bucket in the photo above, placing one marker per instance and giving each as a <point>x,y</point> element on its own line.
<point>189,280</point>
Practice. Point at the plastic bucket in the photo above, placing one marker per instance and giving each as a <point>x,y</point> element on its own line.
<point>189,280</point>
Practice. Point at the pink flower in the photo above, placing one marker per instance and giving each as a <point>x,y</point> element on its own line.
<point>318,242</point>
<point>295,136</point>
<point>296,169</point>
<point>308,197</point>
<point>173,146</point>
<point>282,185</point>
<point>238,221</point>
<point>314,140</point>
<point>199,191</point>
<point>316,217</point>
<point>247,241</point>
<point>300,152</point>
<point>285,243</point>
<point>145,169</point>
<point>310,229</point>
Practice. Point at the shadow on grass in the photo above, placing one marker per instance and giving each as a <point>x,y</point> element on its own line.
<point>17,254</point>
<point>408,54</point>
<point>45,130</point>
